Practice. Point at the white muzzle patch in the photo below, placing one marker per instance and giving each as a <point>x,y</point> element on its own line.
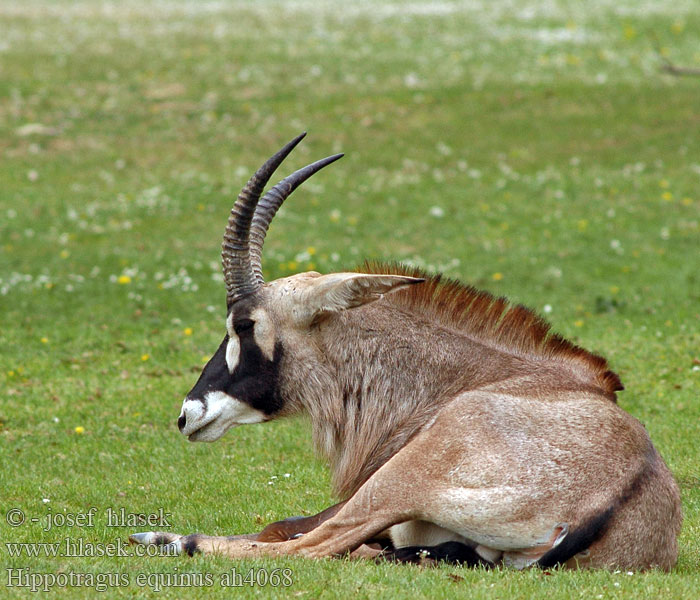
<point>207,421</point>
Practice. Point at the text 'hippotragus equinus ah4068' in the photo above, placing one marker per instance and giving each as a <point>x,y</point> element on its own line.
<point>456,425</point>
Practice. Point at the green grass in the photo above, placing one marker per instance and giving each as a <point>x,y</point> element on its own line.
<point>564,164</point>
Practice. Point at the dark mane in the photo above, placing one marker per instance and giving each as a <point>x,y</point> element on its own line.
<point>495,322</point>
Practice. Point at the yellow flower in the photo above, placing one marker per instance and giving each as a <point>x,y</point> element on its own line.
<point>578,323</point>
<point>686,201</point>
<point>497,276</point>
<point>124,279</point>
<point>311,250</point>
<point>79,429</point>
<point>667,196</point>
<point>614,289</point>
<point>582,224</point>
<point>64,254</point>
<point>145,357</point>
<point>44,340</point>
<point>187,331</point>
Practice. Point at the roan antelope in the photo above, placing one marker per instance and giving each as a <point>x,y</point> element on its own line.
<point>456,425</point>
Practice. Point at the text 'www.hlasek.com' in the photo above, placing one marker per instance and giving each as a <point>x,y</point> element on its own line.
<point>25,575</point>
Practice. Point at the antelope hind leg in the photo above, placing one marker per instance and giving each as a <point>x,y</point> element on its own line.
<point>451,552</point>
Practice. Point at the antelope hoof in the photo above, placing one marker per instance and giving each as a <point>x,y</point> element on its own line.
<point>171,544</point>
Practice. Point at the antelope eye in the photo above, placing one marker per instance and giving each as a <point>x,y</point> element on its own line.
<point>242,326</point>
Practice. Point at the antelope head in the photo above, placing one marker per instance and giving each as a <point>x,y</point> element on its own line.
<point>268,325</point>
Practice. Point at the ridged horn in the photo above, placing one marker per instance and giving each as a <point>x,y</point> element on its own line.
<point>269,204</point>
<point>239,277</point>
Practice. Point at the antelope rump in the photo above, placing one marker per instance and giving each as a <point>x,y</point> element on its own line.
<point>456,425</point>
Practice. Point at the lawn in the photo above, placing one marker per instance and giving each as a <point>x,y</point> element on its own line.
<point>534,149</point>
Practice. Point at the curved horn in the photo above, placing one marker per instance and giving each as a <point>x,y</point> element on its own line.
<point>235,252</point>
<point>269,204</point>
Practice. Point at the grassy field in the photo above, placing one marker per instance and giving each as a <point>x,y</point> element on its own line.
<point>531,148</point>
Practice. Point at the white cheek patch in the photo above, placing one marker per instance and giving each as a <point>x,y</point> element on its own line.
<point>264,333</point>
<point>233,352</point>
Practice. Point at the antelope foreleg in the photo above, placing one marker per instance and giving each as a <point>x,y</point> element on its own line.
<point>344,529</point>
<point>279,531</point>
<point>364,516</point>
<point>287,529</point>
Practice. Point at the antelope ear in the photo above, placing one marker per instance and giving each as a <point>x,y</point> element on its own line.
<point>340,291</point>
